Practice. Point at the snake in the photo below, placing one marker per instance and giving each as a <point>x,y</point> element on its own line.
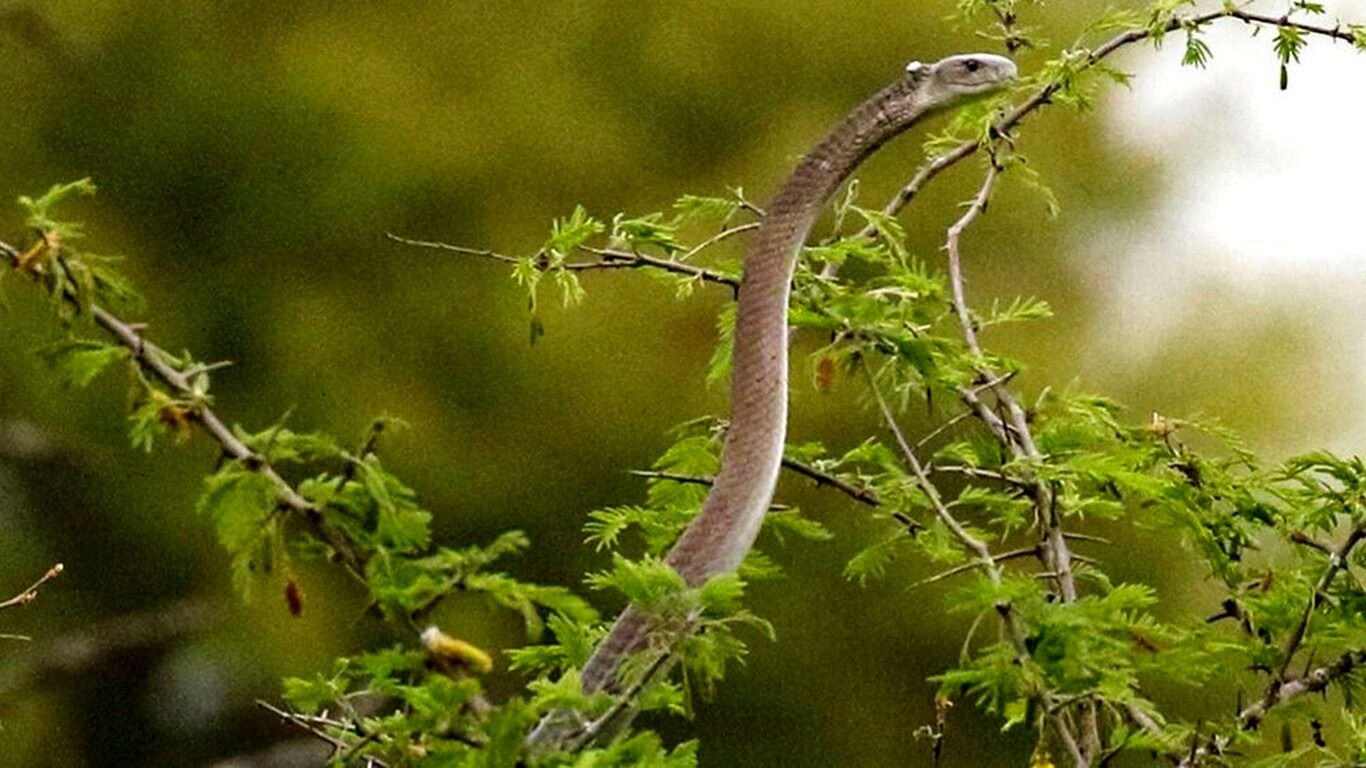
<point>718,538</point>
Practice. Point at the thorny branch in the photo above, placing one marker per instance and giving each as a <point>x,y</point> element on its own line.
<point>971,543</point>
<point>979,550</point>
<point>1337,562</point>
<point>858,493</point>
<point>1279,691</point>
<point>1284,686</point>
<point>1002,557</point>
<point>1014,434</point>
<point>678,477</point>
<point>1013,430</point>
<point>158,362</point>
<point>1015,427</point>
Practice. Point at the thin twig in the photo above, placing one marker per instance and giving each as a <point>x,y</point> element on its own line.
<point>954,571</point>
<point>316,726</point>
<point>718,237</point>
<point>1064,727</point>
<point>941,429</point>
<point>977,205</point>
<point>984,474</point>
<point>1304,539</point>
<point>31,594</point>
<point>1016,437</point>
<point>482,253</point>
<point>678,477</point>
<point>861,494</point>
<point>609,258</point>
<point>613,258</point>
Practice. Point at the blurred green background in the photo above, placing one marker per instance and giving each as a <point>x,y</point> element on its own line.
<point>252,154</point>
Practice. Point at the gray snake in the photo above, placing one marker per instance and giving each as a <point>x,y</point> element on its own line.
<point>724,531</point>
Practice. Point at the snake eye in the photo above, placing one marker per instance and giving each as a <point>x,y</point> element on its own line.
<point>972,65</point>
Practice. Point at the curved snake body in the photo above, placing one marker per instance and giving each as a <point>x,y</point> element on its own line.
<point>723,532</point>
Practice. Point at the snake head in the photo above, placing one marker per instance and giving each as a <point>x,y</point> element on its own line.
<point>966,75</point>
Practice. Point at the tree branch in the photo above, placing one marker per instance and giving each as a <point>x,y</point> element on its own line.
<point>1276,693</point>
<point>975,546</point>
<point>861,494</point>
<point>157,361</point>
<point>1337,562</point>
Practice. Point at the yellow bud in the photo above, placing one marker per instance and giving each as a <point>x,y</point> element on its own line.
<point>449,651</point>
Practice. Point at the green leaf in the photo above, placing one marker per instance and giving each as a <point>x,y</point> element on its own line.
<point>873,560</point>
<point>791,521</point>
<point>390,663</point>
<point>571,290</point>
<point>1288,44</point>
<point>718,368</point>
<point>605,526</point>
<point>111,288</point>
<point>527,599</point>
<point>80,361</point>
<point>861,247</point>
<point>566,235</point>
<point>646,232</point>
<point>40,210</point>
<point>281,445</point>
<point>721,594</point>
<point>1197,52</point>
<point>566,692</point>
<point>574,643</point>
<point>309,696</point>
<point>1019,309</point>
<point>1114,19</point>
<point>646,583</point>
<point>241,503</point>
<point>888,228</point>
<point>400,525</point>
<point>720,208</point>
<point>758,566</point>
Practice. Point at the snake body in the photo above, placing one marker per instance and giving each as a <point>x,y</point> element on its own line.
<point>723,532</point>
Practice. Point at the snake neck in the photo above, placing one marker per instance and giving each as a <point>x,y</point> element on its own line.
<point>722,534</point>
